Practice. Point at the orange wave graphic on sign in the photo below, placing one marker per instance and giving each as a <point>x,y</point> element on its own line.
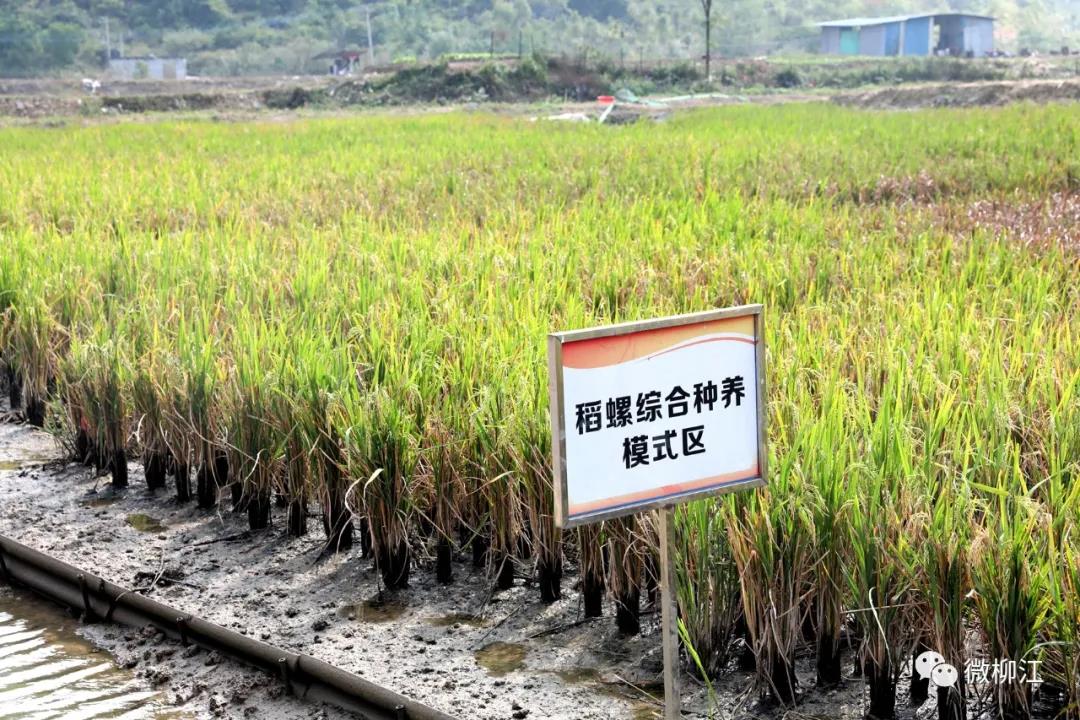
<point>663,491</point>
<point>605,351</point>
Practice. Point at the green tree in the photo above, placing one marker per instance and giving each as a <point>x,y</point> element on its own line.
<point>60,44</point>
<point>20,45</point>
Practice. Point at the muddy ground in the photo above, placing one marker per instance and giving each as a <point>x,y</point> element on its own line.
<point>465,649</point>
<point>72,87</point>
<point>41,98</point>
<point>910,97</point>
<point>290,103</point>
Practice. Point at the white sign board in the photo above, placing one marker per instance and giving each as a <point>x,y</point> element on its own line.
<point>654,413</point>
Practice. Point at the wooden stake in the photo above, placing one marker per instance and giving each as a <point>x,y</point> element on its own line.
<point>670,616</point>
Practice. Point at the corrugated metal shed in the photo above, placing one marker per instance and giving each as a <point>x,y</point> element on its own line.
<point>860,21</point>
<point>957,33</point>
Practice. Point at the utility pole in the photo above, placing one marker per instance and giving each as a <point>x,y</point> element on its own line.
<point>370,45</point>
<point>108,41</point>
<point>706,5</point>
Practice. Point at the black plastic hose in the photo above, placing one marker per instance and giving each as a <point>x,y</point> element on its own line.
<point>302,675</point>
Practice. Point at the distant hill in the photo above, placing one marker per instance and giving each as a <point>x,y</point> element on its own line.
<point>225,37</point>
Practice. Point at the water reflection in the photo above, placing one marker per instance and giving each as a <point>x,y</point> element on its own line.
<point>47,671</point>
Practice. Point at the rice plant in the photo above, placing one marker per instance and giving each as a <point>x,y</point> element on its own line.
<point>707,584</point>
<point>830,469</point>
<point>626,542</point>
<point>31,338</point>
<point>256,442</point>
<point>442,465</point>
<point>148,410</point>
<point>770,536</point>
<point>108,408</point>
<point>382,453</point>
<point>1009,575</point>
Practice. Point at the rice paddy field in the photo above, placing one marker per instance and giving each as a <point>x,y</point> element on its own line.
<point>349,315</point>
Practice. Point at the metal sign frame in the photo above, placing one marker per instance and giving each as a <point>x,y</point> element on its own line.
<point>558,421</point>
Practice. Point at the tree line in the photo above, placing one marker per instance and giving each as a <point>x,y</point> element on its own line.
<point>271,36</point>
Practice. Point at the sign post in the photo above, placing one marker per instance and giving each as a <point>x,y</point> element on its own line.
<point>651,414</point>
<point>669,617</point>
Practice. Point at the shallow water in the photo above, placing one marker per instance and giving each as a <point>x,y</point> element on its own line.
<point>145,523</point>
<point>500,658</point>
<point>19,457</point>
<point>578,675</point>
<point>99,502</point>
<point>47,671</point>
<point>375,610</point>
<point>456,619</point>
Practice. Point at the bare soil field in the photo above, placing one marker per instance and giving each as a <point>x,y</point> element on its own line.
<point>36,100</point>
<point>910,97</point>
<point>71,87</point>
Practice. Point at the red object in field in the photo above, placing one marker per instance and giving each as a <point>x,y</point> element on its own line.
<point>605,99</point>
